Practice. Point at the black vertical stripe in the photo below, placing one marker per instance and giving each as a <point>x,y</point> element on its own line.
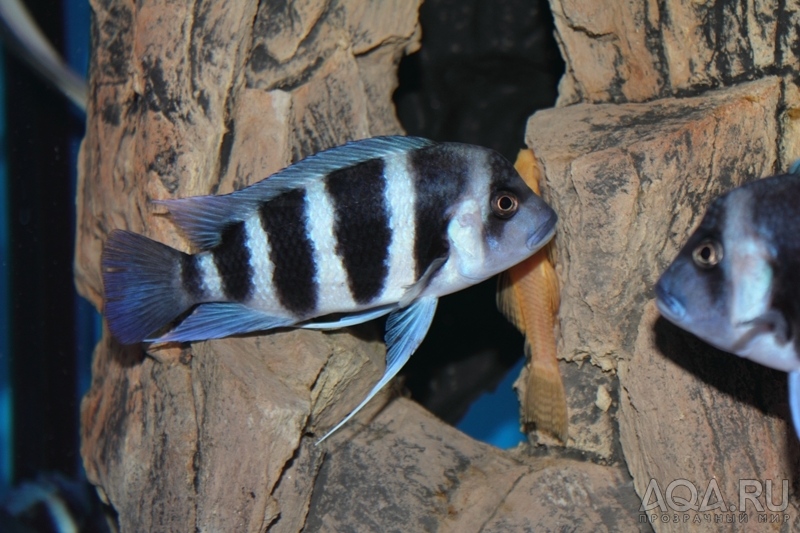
<point>361,226</point>
<point>191,277</point>
<point>440,178</point>
<point>712,226</point>
<point>291,252</point>
<point>232,257</point>
<point>503,177</point>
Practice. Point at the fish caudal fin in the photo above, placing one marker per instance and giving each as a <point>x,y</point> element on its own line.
<point>545,399</point>
<point>142,283</point>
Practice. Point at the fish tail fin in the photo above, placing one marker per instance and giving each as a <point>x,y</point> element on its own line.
<point>545,399</point>
<point>142,283</point>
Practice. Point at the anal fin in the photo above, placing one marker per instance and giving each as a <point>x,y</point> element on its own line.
<point>405,330</point>
<point>350,319</point>
<point>217,320</point>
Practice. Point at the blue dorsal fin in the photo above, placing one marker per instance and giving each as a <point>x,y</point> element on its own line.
<point>405,330</point>
<point>204,217</point>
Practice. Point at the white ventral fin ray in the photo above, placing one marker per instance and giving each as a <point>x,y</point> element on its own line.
<point>352,319</point>
<point>204,217</point>
<point>405,330</point>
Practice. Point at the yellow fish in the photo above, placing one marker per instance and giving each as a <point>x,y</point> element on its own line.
<point>528,296</point>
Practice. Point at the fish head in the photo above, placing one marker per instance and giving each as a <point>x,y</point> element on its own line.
<point>721,285</point>
<point>692,293</point>
<point>499,223</point>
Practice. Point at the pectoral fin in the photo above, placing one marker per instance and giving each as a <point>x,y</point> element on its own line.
<point>794,400</point>
<point>405,330</point>
<point>507,302</point>
<point>413,291</point>
<point>771,322</point>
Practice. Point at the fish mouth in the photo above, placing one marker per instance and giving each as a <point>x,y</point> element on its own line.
<point>669,306</point>
<point>543,234</point>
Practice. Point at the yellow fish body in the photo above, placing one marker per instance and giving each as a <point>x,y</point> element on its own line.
<point>528,296</point>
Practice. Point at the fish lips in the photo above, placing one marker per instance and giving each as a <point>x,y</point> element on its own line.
<point>668,305</point>
<point>543,233</point>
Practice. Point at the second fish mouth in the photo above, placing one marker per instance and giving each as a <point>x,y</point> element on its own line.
<point>543,234</point>
<point>669,306</point>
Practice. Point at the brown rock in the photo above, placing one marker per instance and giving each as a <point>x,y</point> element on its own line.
<point>408,472</point>
<point>696,415</point>
<point>638,51</point>
<point>629,182</point>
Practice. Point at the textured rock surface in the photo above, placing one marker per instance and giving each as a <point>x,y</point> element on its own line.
<point>630,182</point>
<point>636,51</point>
<point>210,98</point>
<point>408,472</point>
<point>689,412</point>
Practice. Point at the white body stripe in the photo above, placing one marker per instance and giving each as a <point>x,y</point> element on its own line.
<point>400,199</point>
<point>212,283</point>
<point>334,293</point>
<point>749,269</point>
<point>263,292</point>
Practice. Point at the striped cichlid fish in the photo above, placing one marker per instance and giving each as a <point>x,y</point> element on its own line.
<point>736,282</point>
<point>379,226</point>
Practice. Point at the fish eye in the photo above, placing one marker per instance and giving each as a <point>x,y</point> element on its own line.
<point>504,204</point>
<point>707,254</point>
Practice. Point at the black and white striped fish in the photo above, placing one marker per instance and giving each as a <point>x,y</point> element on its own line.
<point>378,226</point>
<point>736,282</point>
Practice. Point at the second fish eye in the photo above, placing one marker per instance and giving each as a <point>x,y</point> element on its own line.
<point>707,254</point>
<point>504,204</point>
